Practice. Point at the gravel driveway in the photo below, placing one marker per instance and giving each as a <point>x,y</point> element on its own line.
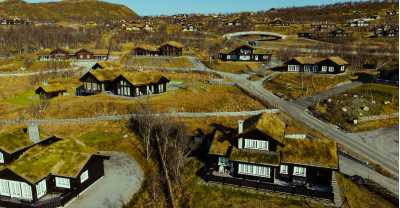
<point>123,178</point>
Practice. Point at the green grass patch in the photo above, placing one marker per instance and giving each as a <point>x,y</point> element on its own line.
<point>24,99</point>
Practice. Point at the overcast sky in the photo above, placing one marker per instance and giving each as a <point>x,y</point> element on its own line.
<point>168,7</point>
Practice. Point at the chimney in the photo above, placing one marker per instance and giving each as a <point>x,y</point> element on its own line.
<point>33,132</point>
<point>240,130</point>
<point>240,126</point>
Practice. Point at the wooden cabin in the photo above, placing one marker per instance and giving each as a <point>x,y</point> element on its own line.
<point>44,175</point>
<point>145,50</point>
<point>260,156</point>
<point>139,84</point>
<point>50,90</point>
<point>245,53</point>
<point>94,82</point>
<point>83,54</point>
<point>171,48</point>
<point>59,54</point>
<point>388,76</point>
<point>338,33</point>
<point>329,65</point>
<point>277,22</point>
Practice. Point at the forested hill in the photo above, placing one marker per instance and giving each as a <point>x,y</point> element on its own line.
<point>67,10</point>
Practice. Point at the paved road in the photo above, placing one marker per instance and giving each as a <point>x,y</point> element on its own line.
<point>308,101</point>
<point>123,177</point>
<point>24,74</point>
<point>351,167</point>
<point>351,141</point>
<point>127,116</point>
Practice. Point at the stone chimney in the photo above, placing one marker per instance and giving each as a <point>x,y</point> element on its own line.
<point>240,130</point>
<point>33,132</point>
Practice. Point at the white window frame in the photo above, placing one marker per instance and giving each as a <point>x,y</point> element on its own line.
<point>4,188</point>
<point>341,68</point>
<point>41,188</point>
<point>324,68</point>
<point>284,169</point>
<point>63,182</point>
<point>299,171</point>
<point>331,69</point>
<point>84,176</point>
<point>254,170</point>
<point>1,157</point>
<point>15,189</point>
<point>256,144</point>
<point>26,191</point>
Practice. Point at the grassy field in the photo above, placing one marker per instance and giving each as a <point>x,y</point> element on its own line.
<point>191,93</point>
<point>366,100</point>
<point>27,64</point>
<point>295,85</point>
<point>358,196</point>
<point>177,62</point>
<point>233,67</point>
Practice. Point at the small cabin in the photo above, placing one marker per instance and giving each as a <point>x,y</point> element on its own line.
<point>50,90</point>
<point>245,53</point>
<point>277,22</point>
<point>329,65</point>
<point>83,54</point>
<point>145,50</point>
<point>59,54</point>
<point>171,48</point>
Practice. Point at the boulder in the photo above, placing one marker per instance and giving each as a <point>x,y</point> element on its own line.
<point>344,109</point>
<point>365,108</point>
<point>386,102</point>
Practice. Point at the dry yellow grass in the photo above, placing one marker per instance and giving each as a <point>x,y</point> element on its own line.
<point>173,62</point>
<point>290,84</point>
<point>357,196</point>
<point>233,67</point>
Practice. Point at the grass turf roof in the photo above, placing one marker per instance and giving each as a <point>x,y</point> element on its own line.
<point>267,123</point>
<point>16,138</point>
<point>52,87</point>
<point>219,144</point>
<point>255,156</point>
<point>142,78</point>
<point>105,75</point>
<point>318,152</point>
<point>64,158</point>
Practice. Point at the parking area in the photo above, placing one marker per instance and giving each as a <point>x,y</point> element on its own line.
<point>123,178</point>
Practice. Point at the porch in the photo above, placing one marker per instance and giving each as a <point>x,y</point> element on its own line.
<point>308,190</point>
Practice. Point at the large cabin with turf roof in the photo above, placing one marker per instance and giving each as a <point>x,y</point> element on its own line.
<point>259,155</point>
<point>322,65</point>
<point>145,50</point>
<point>97,81</point>
<point>135,84</point>
<point>245,53</point>
<point>49,176</point>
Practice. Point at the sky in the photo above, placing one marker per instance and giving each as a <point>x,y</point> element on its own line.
<point>169,7</point>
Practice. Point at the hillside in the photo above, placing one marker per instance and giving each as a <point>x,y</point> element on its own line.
<point>67,10</point>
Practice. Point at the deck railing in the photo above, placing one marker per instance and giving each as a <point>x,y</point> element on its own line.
<point>258,185</point>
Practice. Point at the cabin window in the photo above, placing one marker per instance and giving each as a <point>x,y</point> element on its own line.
<point>256,144</point>
<point>331,69</point>
<point>26,191</point>
<point>341,68</point>
<point>324,68</point>
<point>84,176</point>
<point>62,182</point>
<point>254,170</point>
<point>41,188</point>
<point>293,68</point>
<point>1,157</point>
<point>315,68</point>
<point>223,161</point>
<point>284,169</point>
<point>4,188</point>
<point>299,171</point>
<point>228,57</point>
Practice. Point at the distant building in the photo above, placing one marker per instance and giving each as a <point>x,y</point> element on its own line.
<point>330,65</point>
<point>277,22</point>
<point>389,76</point>
<point>245,53</point>
<point>390,31</point>
<point>170,48</point>
<point>80,55</point>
